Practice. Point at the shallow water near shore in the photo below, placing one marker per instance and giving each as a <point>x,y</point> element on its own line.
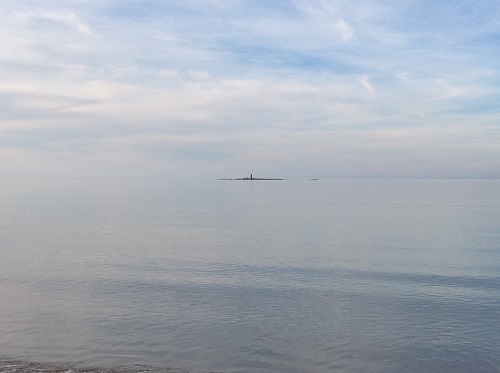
<point>143,275</point>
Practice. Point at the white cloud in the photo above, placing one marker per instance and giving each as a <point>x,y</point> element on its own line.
<point>65,18</point>
<point>169,73</point>
<point>199,75</point>
<point>325,18</point>
<point>365,80</point>
<point>352,87</point>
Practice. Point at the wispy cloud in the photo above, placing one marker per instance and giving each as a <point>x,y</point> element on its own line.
<point>65,18</point>
<point>329,88</point>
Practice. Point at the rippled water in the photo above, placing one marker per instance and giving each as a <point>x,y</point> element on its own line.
<point>249,276</point>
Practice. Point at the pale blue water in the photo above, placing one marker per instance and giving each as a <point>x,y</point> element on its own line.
<point>250,276</point>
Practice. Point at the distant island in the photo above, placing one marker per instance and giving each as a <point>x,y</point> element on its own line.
<point>253,178</point>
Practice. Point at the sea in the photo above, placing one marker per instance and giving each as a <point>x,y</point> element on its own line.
<point>233,276</point>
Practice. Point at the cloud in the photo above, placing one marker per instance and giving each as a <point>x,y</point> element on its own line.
<point>334,88</point>
<point>365,80</point>
<point>325,18</point>
<point>169,73</point>
<point>65,18</point>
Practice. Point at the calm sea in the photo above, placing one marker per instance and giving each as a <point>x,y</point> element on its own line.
<point>127,275</point>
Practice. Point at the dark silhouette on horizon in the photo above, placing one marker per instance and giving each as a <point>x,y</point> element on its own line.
<point>253,178</point>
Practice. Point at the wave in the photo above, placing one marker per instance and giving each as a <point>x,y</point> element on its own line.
<point>19,366</point>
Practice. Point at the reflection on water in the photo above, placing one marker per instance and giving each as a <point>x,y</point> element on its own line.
<point>294,276</point>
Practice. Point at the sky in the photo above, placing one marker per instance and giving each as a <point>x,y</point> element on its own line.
<point>223,88</point>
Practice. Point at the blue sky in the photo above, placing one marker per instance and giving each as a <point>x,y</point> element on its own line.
<point>222,88</point>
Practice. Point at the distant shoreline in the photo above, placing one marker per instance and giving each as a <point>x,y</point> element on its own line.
<point>251,179</point>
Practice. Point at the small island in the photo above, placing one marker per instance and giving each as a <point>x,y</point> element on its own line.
<point>253,178</point>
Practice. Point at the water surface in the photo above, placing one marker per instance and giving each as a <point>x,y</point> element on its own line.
<point>250,276</point>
